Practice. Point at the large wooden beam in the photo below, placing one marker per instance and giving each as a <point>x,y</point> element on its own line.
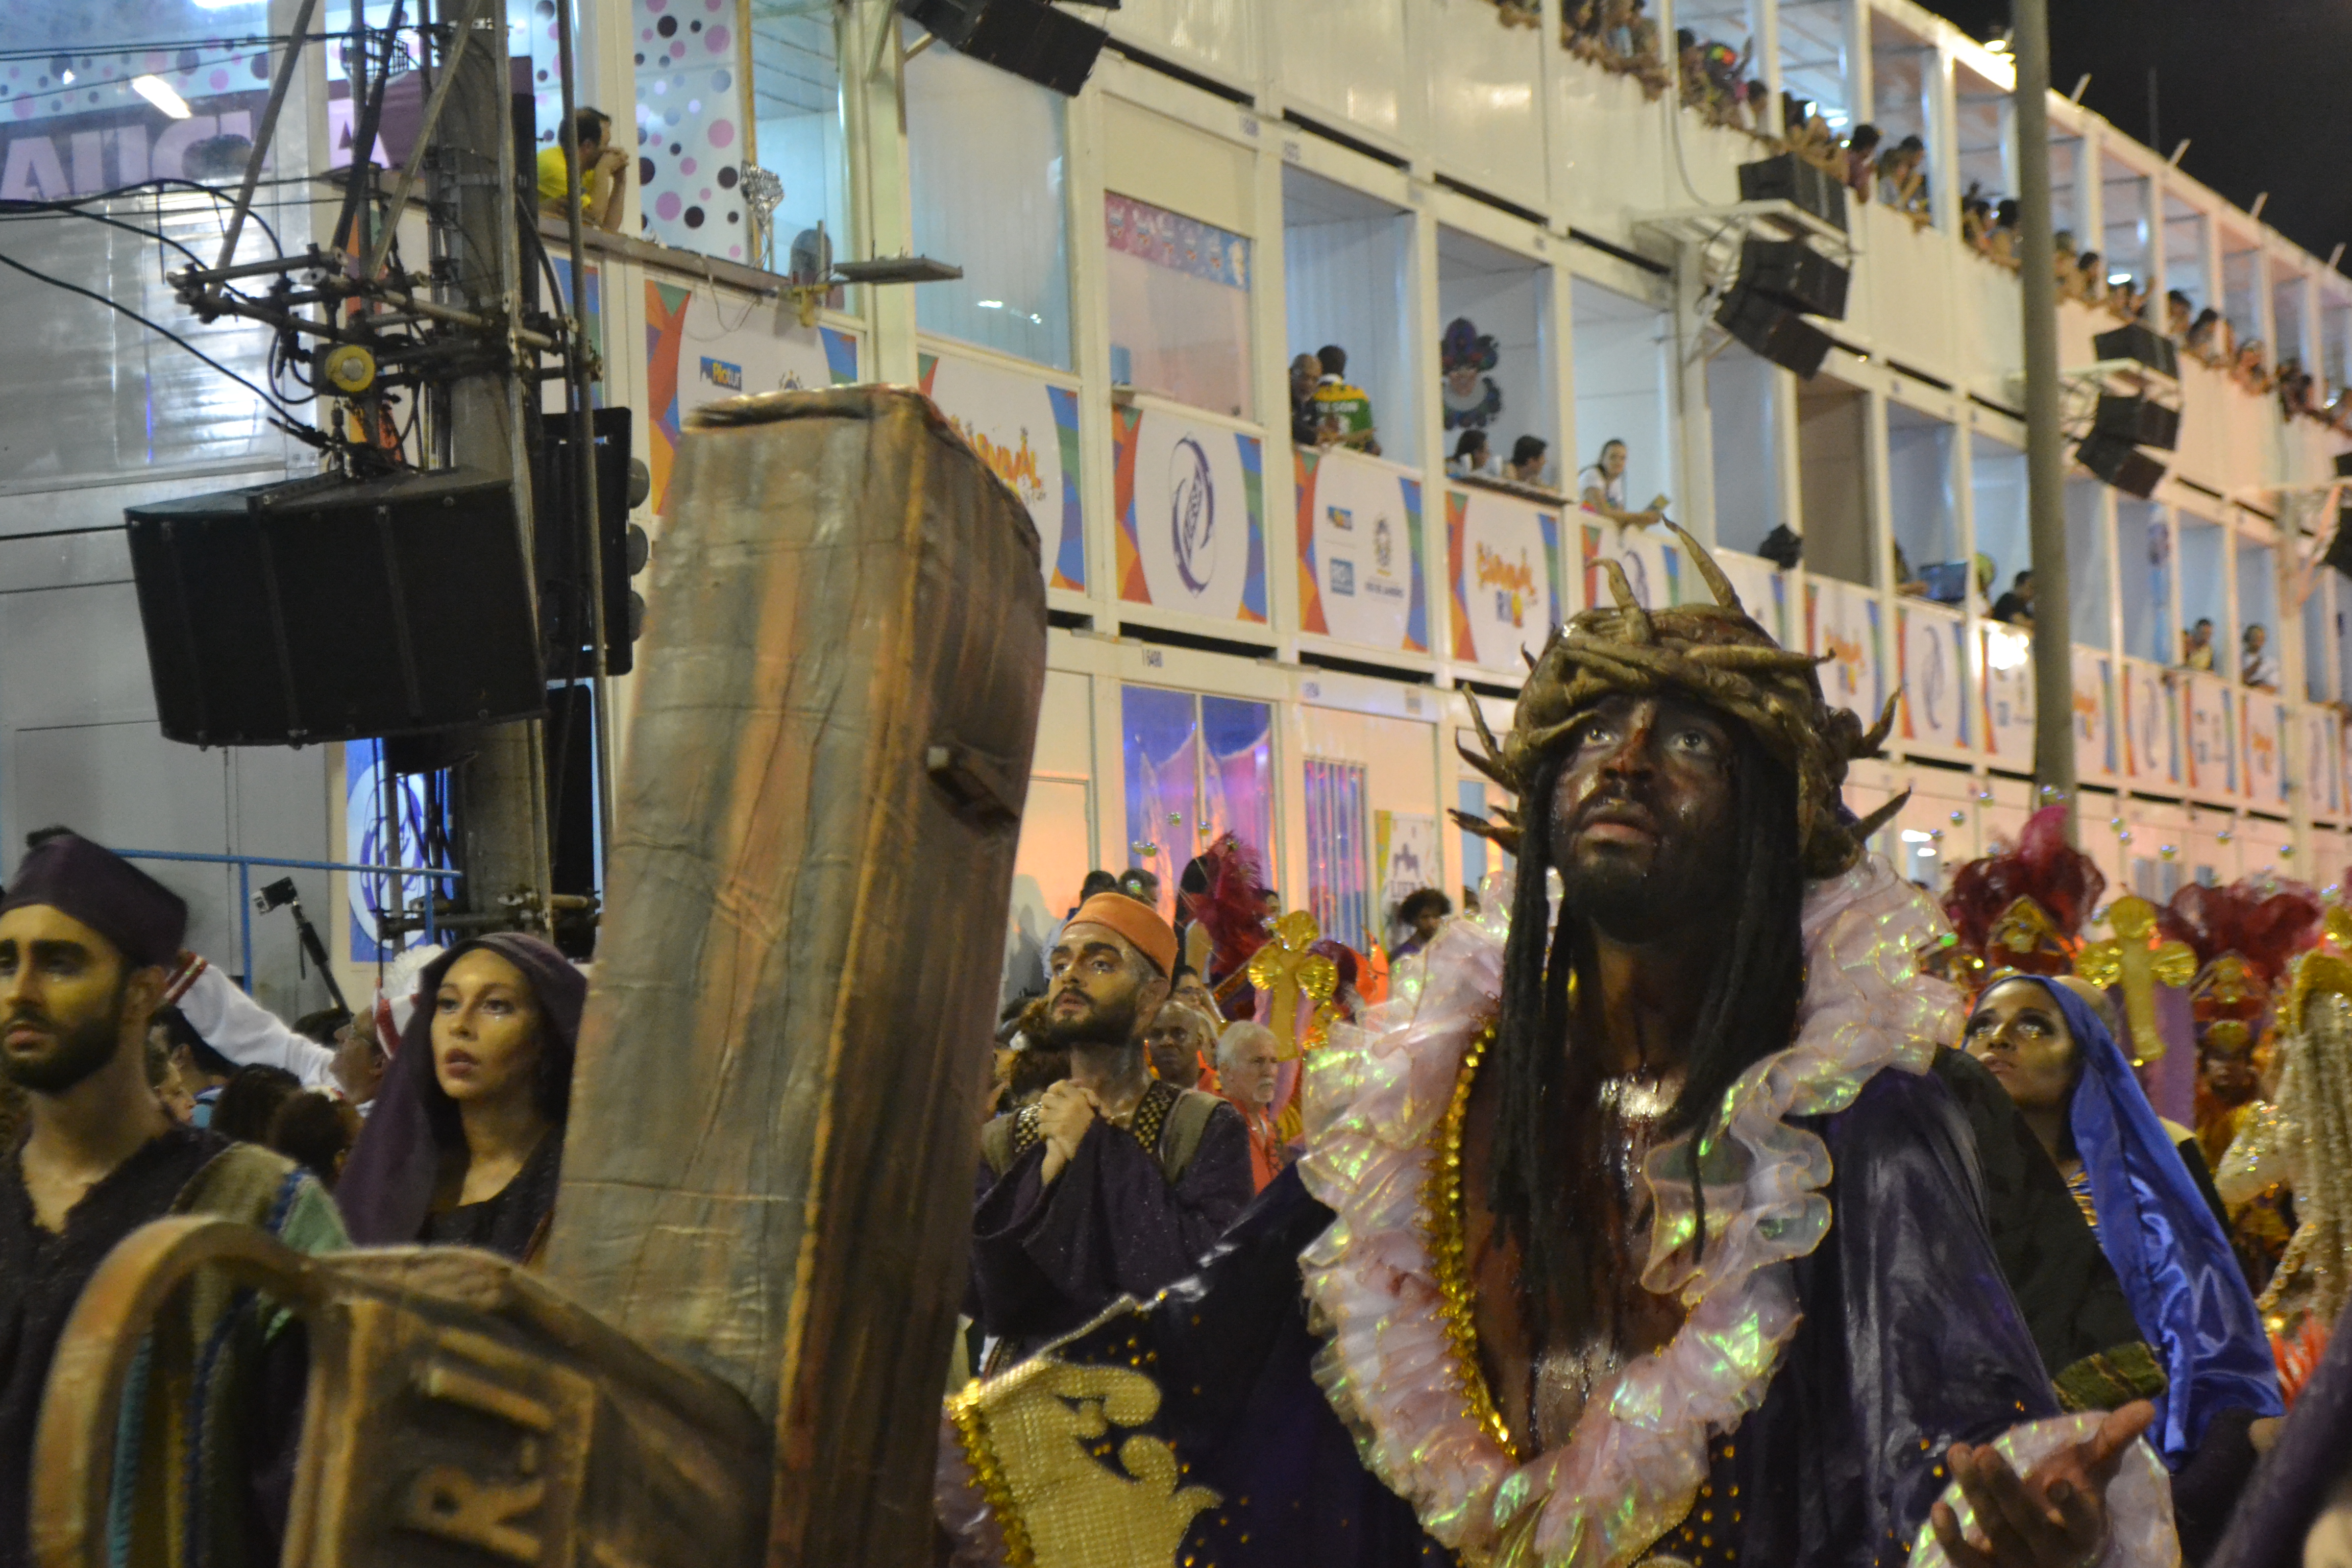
<point>775,1116</point>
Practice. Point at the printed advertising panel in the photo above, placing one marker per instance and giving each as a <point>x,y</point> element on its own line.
<point>2008,664</point>
<point>1359,574</point>
<point>702,346</point>
<point>2213,735</point>
<point>1931,653</point>
<point>2321,760</point>
<point>1651,558</point>
<point>2095,730</point>
<point>1841,621</point>
<point>1027,430</point>
<point>368,840</point>
<point>1191,500</point>
<point>1763,590</point>
<point>2262,732</point>
<point>2151,722</point>
<point>1502,559</point>
<point>1405,844</point>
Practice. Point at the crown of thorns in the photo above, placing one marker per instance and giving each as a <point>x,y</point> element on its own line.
<point>1717,654</point>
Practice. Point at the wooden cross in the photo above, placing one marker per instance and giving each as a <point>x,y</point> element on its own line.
<point>2133,959</point>
<point>1285,969</point>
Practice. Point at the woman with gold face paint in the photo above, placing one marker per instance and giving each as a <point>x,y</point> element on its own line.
<point>465,1144</point>
<point>2050,1043</point>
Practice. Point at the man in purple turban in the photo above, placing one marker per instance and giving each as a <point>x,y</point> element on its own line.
<point>86,942</point>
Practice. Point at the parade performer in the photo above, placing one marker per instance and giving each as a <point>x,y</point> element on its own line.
<point>87,940</point>
<point>2203,1358</point>
<point>1642,1233</point>
<point>2303,1140</point>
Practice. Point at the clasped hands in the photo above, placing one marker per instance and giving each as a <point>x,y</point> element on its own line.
<point>1065,1111</point>
<point>2055,1518</point>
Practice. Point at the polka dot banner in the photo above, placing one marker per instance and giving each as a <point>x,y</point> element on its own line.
<point>690,116</point>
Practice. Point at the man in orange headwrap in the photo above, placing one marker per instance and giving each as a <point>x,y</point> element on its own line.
<point>1113,1182</point>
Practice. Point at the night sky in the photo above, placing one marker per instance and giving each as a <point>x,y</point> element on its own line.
<point>2262,91</point>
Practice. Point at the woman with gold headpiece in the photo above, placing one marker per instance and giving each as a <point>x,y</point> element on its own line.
<point>1642,1233</point>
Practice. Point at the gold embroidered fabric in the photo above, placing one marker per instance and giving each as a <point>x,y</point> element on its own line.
<point>1070,1483</point>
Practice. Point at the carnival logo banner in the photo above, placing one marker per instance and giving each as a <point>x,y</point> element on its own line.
<point>1503,564</point>
<point>1931,659</point>
<point>2213,735</point>
<point>1026,431</point>
<point>702,345</point>
<point>1359,574</point>
<point>2151,725</point>
<point>1191,507</point>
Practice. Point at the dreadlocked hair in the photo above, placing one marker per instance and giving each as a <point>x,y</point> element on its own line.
<point>1540,1189</point>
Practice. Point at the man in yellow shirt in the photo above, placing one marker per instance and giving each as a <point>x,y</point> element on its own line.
<point>589,133</point>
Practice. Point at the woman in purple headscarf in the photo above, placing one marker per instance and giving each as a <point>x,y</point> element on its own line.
<point>465,1144</point>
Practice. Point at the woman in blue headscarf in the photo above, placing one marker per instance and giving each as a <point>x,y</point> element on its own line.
<point>2046,1043</point>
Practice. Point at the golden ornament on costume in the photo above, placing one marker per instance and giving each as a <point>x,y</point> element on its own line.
<point>2138,959</point>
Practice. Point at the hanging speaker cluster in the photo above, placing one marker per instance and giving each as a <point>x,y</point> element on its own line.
<point>1027,37</point>
<point>2126,422</point>
<point>1780,282</point>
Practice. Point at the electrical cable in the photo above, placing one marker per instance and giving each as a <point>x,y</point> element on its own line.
<point>282,416</point>
<point>72,205</point>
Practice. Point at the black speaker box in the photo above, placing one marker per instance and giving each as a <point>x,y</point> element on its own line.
<point>2121,464</point>
<point>1789,178</point>
<point>326,609</point>
<point>1773,330</point>
<point>2137,341</point>
<point>1793,271</point>
<point>1027,37</point>
<point>559,545</point>
<point>2137,421</point>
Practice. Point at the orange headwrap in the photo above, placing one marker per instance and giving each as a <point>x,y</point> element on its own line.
<point>1139,922</point>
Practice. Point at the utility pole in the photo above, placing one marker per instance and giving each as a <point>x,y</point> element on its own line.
<point>2045,452</point>
<point>502,788</point>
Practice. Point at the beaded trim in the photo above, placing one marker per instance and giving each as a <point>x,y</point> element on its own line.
<point>963,1414</point>
<point>1149,1116</point>
<point>1441,1217</point>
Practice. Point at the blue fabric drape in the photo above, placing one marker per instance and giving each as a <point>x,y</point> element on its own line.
<point>2185,1292</point>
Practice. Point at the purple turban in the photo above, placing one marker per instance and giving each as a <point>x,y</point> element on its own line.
<point>144,920</point>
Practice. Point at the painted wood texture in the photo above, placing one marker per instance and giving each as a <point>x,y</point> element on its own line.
<point>776,1110</point>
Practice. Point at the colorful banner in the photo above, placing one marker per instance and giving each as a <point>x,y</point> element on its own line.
<point>2263,734</point>
<point>2151,724</point>
<point>1190,502</point>
<point>1652,562</point>
<point>2096,752</point>
<point>1502,565</point>
<point>701,346</point>
<point>1406,847</point>
<point>1181,244</point>
<point>1359,576</point>
<point>2007,657</point>
<point>1841,621</point>
<point>2213,735</point>
<point>2322,761</point>
<point>1026,431</point>
<point>1931,654</point>
<point>1762,587</point>
<point>365,843</point>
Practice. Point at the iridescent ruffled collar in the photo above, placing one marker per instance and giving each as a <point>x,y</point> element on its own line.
<point>1629,1471</point>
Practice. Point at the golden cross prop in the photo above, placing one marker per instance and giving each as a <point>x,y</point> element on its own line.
<point>1285,971</point>
<point>2134,959</point>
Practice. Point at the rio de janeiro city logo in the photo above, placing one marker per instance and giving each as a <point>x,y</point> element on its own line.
<point>1191,513</point>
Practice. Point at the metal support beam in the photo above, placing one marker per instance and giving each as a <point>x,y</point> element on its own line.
<point>2045,453</point>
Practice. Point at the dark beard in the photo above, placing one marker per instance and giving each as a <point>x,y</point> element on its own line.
<point>1102,1024</point>
<point>81,1050</point>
